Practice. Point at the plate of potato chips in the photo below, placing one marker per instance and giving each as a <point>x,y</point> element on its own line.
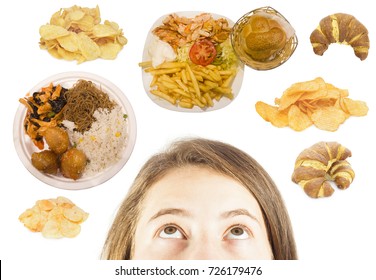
<point>188,62</point>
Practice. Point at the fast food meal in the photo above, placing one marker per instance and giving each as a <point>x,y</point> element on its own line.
<point>78,131</point>
<point>312,102</point>
<point>191,61</point>
<point>318,165</point>
<point>344,29</point>
<point>76,33</point>
<point>54,218</point>
<point>263,39</point>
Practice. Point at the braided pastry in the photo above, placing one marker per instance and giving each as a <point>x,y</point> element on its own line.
<point>320,164</point>
<point>341,28</point>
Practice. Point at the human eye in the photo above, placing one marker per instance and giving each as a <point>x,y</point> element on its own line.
<point>171,231</point>
<point>237,232</point>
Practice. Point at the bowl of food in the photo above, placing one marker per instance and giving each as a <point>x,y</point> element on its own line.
<point>263,39</point>
<point>74,130</point>
<point>188,63</point>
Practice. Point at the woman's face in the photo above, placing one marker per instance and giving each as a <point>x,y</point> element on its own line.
<point>195,213</point>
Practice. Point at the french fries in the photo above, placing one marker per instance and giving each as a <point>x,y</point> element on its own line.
<point>188,85</point>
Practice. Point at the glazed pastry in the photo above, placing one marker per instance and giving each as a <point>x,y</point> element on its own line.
<point>344,29</point>
<point>320,164</point>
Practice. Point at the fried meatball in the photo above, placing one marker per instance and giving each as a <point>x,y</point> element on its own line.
<point>57,139</point>
<point>72,163</point>
<point>45,161</point>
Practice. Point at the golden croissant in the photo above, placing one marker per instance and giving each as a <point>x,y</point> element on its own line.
<point>344,29</point>
<point>318,165</point>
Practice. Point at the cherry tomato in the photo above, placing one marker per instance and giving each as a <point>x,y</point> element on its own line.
<point>202,52</point>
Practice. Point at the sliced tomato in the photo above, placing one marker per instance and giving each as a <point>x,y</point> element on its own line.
<point>202,52</point>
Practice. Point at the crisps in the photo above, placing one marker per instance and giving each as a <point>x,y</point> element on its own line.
<point>76,33</point>
<point>312,102</point>
<point>54,218</point>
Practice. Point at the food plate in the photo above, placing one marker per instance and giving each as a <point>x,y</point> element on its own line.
<point>25,147</point>
<point>147,77</point>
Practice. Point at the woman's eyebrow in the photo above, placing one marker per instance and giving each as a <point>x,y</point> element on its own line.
<point>239,212</point>
<point>170,211</point>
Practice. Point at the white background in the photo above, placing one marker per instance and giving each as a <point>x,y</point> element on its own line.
<point>335,236</point>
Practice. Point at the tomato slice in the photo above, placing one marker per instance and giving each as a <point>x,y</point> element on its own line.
<point>202,52</point>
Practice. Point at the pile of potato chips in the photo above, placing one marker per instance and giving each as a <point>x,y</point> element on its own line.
<point>76,33</point>
<point>312,102</point>
<point>54,218</point>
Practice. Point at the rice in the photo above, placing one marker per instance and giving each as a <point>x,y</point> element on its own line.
<point>104,142</point>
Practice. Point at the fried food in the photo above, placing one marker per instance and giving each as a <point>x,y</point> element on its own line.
<point>72,163</point>
<point>76,33</point>
<point>312,102</point>
<point>178,31</point>
<point>54,218</point>
<point>45,161</point>
<point>188,85</point>
<point>44,110</point>
<point>57,139</point>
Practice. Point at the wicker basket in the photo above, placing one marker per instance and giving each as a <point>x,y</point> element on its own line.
<point>278,59</point>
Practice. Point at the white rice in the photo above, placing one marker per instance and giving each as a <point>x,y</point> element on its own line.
<point>104,142</point>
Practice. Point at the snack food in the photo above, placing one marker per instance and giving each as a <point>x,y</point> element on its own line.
<point>344,29</point>
<point>188,85</point>
<point>54,218</point>
<point>189,63</point>
<point>76,33</point>
<point>312,102</point>
<point>263,39</point>
<point>321,163</point>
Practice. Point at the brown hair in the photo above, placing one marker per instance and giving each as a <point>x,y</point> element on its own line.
<point>222,158</point>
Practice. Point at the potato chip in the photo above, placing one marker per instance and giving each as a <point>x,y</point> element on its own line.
<point>272,114</point>
<point>328,118</point>
<point>297,120</point>
<point>355,107</point>
<point>52,229</point>
<point>313,101</point>
<point>50,32</point>
<point>69,42</point>
<point>109,50</point>
<point>104,30</point>
<point>76,33</point>
<point>88,48</point>
<point>75,15</point>
<point>54,218</point>
<point>69,229</point>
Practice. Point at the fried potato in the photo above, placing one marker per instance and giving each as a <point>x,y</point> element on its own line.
<point>272,114</point>
<point>298,120</point>
<point>54,218</point>
<point>312,102</point>
<point>186,85</point>
<point>51,32</point>
<point>76,33</point>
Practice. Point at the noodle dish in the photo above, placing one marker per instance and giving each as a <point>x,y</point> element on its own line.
<point>74,130</point>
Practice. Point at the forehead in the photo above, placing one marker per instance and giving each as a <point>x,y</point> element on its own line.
<point>199,189</point>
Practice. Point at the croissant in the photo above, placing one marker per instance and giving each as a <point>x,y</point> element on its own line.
<point>318,165</point>
<point>344,29</point>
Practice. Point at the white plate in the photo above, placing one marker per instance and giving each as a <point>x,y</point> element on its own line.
<point>147,78</point>
<point>25,148</point>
